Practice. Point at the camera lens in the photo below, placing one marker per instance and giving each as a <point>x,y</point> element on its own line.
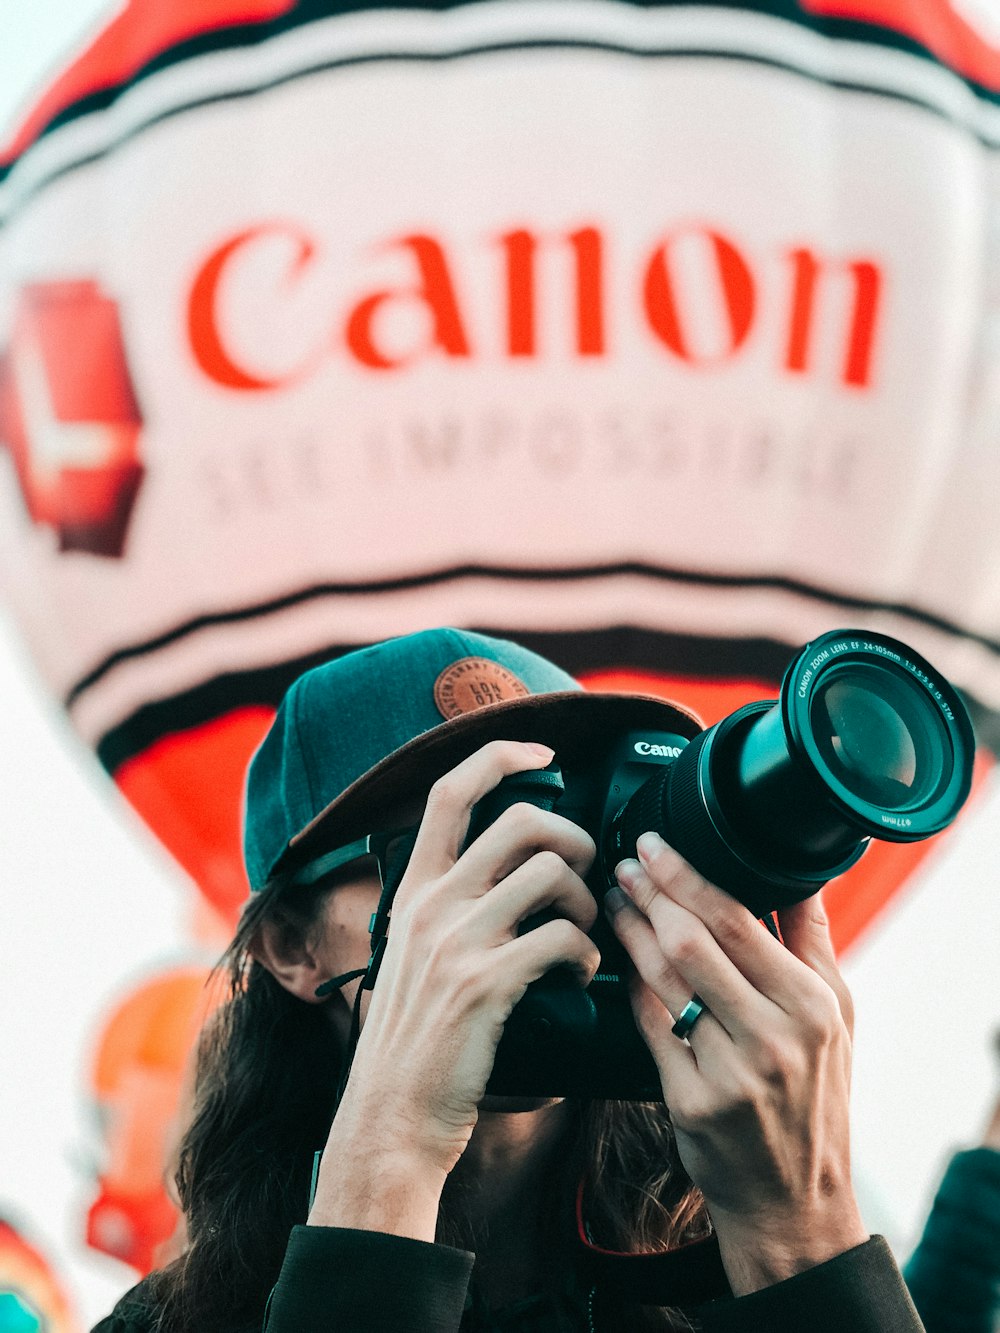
<point>877,736</point>
<point>866,741</point>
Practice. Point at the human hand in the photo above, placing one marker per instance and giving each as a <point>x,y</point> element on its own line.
<point>453,969</point>
<point>759,1093</point>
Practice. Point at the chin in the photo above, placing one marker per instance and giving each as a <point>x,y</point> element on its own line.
<point>515,1105</point>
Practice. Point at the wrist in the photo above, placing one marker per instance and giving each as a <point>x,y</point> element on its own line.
<point>371,1187</point>
<point>759,1252</point>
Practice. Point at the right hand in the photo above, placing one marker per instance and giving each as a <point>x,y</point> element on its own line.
<point>758,1094</point>
<point>455,966</point>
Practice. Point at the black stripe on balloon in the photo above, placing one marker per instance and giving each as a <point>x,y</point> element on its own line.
<point>228,39</point>
<point>241,36</point>
<point>620,648</point>
<point>829,596</point>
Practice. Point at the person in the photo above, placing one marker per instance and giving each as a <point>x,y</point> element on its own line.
<point>954,1272</point>
<point>437,1206</point>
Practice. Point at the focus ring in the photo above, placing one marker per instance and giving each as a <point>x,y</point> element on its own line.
<point>693,834</point>
<point>642,812</point>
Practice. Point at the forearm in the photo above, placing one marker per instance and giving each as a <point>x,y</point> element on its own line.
<point>376,1181</point>
<point>760,1251</point>
<point>373,1197</point>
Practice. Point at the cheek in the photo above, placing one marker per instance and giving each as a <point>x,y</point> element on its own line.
<point>346,945</point>
<point>346,939</point>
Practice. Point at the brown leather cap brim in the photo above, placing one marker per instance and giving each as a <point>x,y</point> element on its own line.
<point>571,722</point>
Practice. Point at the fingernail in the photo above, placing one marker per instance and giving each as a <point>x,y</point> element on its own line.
<point>627,872</point>
<point>649,845</point>
<point>546,751</point>
<point>614,901</point>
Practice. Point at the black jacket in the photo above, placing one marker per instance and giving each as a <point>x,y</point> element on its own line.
<point>337,1280</point>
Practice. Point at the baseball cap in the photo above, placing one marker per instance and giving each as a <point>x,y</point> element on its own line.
<point>364,732</point>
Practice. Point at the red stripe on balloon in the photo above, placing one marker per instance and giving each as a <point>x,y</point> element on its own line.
<point>143,31</point>
<point>188,788</point>
<point>932,23</point>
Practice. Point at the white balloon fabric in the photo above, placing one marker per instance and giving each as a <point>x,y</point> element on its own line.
<point>662,337</point>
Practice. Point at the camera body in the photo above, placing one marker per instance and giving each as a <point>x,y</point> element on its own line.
<point>561,1039</point>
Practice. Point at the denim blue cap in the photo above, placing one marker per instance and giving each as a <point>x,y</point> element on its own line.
<point>376,726</point>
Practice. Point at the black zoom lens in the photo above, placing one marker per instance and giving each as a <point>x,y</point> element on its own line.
<point>866,741</point>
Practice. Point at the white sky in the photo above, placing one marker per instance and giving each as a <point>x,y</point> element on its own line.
<point>90,904</point>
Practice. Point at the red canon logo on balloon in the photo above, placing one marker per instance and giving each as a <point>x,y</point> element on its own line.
<point>69,416</point>
<point>797,280</point>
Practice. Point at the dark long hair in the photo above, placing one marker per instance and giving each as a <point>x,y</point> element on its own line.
<point>268,1071</point>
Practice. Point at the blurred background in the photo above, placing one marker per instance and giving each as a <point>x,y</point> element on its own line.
<point>683,540</point>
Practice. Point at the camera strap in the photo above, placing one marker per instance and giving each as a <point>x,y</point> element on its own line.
<point>392,868</point>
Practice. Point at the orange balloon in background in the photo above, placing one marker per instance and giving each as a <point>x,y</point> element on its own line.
<point>142,1080</point>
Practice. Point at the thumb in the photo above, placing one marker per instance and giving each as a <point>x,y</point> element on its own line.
<point>805,929</point>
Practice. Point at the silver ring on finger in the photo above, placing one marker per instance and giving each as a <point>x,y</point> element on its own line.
<point>687,1017</point>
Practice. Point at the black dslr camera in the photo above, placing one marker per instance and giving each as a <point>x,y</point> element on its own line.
<point>866,741</point>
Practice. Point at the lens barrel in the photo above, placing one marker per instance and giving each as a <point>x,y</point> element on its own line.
<point>867,740</point>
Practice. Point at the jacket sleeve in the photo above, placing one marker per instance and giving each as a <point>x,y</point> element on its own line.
<point>954,1273</point>
<point>861,1290</point>
<point>337,1280</point>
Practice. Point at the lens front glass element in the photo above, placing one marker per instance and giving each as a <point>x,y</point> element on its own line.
<point>880,735</point>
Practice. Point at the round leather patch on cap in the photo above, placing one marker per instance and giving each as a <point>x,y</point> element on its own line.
<point>475,682</point>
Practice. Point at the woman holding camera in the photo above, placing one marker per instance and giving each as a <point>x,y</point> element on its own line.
<point>437,1207</point>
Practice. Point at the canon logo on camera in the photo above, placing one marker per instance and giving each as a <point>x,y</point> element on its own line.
<point>661,751</point>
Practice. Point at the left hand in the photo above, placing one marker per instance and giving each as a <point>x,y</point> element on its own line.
<point>758,1095</point>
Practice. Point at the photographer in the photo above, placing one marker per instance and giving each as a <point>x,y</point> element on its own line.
<point>437,1206</point>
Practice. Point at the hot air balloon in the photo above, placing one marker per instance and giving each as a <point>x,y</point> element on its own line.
<point>141,1088</point>
<point>658,337</point>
